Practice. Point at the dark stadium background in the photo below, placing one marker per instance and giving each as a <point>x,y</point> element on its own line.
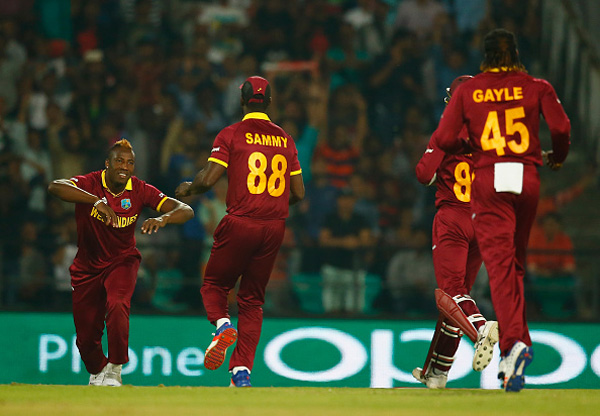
<point>76,75</point>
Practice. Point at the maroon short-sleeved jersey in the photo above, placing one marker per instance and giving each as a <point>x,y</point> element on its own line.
<point>453,174</point>
<point>502,112</point>
<point>99,244</point>
<point>260,157</point>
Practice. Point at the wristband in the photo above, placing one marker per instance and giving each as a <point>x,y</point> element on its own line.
<point>103,199</point>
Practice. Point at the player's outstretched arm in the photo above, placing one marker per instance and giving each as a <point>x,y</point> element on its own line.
<point>67,191</point>
<point>174,212</point>
<point>203,181</point>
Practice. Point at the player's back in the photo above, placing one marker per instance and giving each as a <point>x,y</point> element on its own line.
<point>502,111</point>
<point>451,173</point>
<point>454,178</point>
<point>261,158</point>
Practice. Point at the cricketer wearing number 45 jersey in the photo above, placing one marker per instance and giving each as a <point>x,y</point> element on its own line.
<point>501,108</point>
<point>264,178</point>
<point>502,111</point>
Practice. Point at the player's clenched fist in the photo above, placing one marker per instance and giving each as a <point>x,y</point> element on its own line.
<point>183,190</point>
<point>549,160</point>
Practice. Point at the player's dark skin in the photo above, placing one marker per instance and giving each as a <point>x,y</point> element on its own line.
<point>120,165</point>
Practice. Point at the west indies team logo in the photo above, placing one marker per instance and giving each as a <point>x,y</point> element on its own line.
<point>126,203</point>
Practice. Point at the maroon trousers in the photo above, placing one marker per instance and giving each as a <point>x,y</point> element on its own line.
<point>99,298</point>
<point>502,223</point>
<point>456,257</point>
<point>456,260</point>
<point>243,248</point>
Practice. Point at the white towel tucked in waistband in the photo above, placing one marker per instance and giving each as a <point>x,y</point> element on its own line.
<point>508,177</point>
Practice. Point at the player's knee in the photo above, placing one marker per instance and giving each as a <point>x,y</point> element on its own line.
<point>117,303</point>
<point>249,303</point>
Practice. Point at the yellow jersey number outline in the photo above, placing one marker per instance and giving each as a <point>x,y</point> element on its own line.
<point>464,179</point>
<point>279,168</point>
<point>492,138</point>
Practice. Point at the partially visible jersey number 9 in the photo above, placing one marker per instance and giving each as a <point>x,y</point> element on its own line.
<point>464,178</point>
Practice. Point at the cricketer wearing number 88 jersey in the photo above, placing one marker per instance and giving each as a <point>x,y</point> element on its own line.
<point>456,261</point>
<point>501,107</point>
<point>264,178</point>
<point>263,157</point>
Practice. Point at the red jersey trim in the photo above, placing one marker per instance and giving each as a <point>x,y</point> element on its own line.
<point>162,201</point>
<point>128,185</point>
<point>296,172</point>
<point>220,162</point>
<point>256,115</point>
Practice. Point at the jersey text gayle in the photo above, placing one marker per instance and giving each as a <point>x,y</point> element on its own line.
<point>501,94</point>
<point>122,222</point>
<point>266,140</point>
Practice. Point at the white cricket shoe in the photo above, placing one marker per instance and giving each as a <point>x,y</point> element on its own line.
<point>113,375</point>
<point>431,380</point>
<point>98,379</point>
<point>487,337</point>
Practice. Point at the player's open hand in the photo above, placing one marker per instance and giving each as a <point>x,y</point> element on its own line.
<point>183,190</point>
<point>549,160</point>
<point>107,214</point>
<point>152,225</point>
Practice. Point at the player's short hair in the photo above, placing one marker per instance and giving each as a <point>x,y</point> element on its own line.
<point>256,93</point>
<point>120,144</point>
<point>500,51</point>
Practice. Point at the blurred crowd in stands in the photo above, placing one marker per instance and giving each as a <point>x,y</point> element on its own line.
<point>359,84</point>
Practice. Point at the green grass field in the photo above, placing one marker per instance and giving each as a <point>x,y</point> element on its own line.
<point>33,400</point>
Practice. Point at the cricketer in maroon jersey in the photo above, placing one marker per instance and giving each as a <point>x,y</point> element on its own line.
<point>456,258</point>
<point>264,178</point>
<point>501,108</point>
<point>104,272</point>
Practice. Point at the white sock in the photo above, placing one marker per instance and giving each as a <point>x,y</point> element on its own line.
<point>236,369</point>
<point>222,321</point>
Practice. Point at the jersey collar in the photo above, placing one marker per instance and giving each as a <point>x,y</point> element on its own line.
<point>128,185</point>
<point>500,69</point>
<point>256,115</point>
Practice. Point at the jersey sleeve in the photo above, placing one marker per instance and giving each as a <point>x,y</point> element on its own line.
<point>429,163</point>
<point>152,197</point>
<point>295,168</point>
<point>221,148</point>
<point>84,182</point>
<point>448,132</point>
<point>557,120</point>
